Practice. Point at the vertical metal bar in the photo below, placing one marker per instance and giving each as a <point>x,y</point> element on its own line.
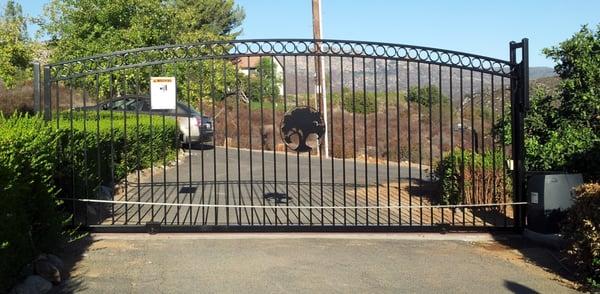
<point>482,134</point>
<point>177,148</point>
<point>474,144</point>
<point>112,142</point>
<point>309,153</point>
<point>47,94</point>
<point>430,134</point>
<point>85,153</point>
<point>262,141</point>
<point>273,77</point>
<point>451,128</point>
<point>213,73</point>
<point>419,102</point>
<point>440,93</point>
<point>409,132</point>
<point>342,95</point>
<point>462,143</point>
<point>366,135</point>
<point>239,158</point>
<point>250,152</point>
<point>398,143</point>
<point>189,143</point>
<point>297,153</point>
<point>353,141</point>
<point>331,127</point>
<point>321,106</point>
<point>36,87</point>
<point>202,176</point>
<point>125,153</point>
<point>387,142</point>
<point>376,139</point>
<point>503,144</point>
<point>74,191</point>
<point>493,149</point>
<point>137,151</point>
<point>225,94</point>
<point>287,190</point>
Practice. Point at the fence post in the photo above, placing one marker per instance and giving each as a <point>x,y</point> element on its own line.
<point>519,85</point>
<point>47,94</point>
<point>36,87</point>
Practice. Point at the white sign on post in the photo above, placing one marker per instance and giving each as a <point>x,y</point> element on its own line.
<point>163,92</point>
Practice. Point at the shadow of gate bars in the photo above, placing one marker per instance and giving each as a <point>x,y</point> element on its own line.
<point>418,138</point>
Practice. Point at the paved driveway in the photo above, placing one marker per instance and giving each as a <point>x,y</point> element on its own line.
<point>300,263</point>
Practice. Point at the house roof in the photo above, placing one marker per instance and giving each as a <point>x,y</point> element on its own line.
<point>251,62</point>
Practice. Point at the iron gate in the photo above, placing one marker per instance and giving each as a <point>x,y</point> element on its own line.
<point>292,135</point>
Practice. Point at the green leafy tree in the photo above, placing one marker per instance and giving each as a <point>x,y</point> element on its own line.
<point>578,65</point>
<point>79,28</point>
<point>562,130</point>
<point>15,49</point>
<point>264,81</point>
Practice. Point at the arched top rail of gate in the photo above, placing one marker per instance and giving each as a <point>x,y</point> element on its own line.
<point>148,56</point>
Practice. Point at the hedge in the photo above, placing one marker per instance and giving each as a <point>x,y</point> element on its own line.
<point>30,220</point>
<point>38,161</point>
<point>456,187</point>
<point>582,229</point>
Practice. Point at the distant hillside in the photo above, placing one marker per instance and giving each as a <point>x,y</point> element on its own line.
<point>536,72</point>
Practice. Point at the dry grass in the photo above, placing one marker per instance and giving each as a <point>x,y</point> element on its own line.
<point>393,133</point>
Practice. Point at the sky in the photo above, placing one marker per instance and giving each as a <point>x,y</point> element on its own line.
<point>479,27</point>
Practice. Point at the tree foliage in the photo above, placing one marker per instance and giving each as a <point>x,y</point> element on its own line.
<point>79,28</point>
<point>15,48</point>
<point>264,81</point>
<point>562,130</point>
<point>578,65</point>
<point>426,96</point>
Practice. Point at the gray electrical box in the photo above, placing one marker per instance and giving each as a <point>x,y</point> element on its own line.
<point>549,195</point>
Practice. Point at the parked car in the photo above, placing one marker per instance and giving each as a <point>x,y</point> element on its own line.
<point>193,126</point>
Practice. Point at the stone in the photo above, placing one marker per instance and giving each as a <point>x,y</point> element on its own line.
<point>57,262</point>
<point>34,284</point>
<point>104,193</point>
<point>44,268</point>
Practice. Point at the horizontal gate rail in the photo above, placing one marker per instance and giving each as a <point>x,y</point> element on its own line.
<point>158,55</point>
<point>292,206</point>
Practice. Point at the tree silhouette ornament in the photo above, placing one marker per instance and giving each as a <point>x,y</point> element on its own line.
<point>300,123</point>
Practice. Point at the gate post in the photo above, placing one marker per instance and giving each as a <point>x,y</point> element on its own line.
<point>47,94</point>
<point>519,86</point>
<point>36,88</point>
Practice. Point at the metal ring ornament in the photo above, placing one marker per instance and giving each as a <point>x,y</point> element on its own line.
<point>137,58</point>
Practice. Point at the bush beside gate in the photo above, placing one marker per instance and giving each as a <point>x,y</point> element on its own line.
<point>37,160</point>
<point>461,172</point>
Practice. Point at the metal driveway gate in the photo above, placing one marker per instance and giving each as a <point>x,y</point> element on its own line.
<point>291,135</point>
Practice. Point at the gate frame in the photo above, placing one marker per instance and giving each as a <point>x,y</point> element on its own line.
<point>519,89</point>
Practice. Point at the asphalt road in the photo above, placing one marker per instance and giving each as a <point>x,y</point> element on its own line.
<point>159,264</point>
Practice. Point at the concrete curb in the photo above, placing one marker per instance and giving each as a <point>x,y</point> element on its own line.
<point>552,241</point>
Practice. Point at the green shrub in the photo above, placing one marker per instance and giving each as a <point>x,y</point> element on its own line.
<point>40,161</point>
<point>30,221</point>
<point>426,96</point>
<point>359,103</point>
<point>486,170</point>
<point>582,229</point>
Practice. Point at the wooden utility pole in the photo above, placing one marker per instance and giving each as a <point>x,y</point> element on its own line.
<point>320,89</point>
